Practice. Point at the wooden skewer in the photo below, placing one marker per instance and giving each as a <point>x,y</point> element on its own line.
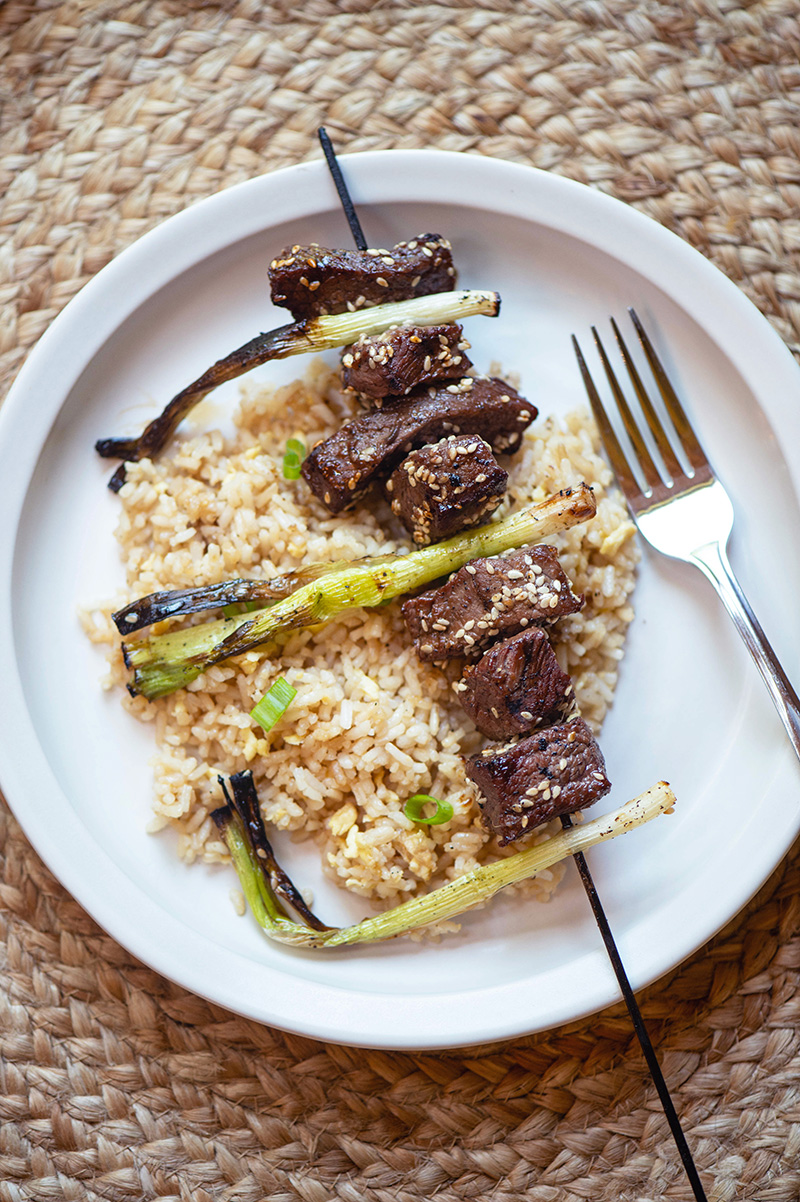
<point>684,1151</point>
<point>341,188</point>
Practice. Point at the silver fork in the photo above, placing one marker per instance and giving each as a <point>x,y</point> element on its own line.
<point>685,514</point>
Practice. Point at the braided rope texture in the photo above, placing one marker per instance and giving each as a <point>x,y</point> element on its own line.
<point>116,1084</point>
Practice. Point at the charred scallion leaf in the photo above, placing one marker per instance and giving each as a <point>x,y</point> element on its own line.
<point>166,662</point>
<point>315,334</point>
<point>178,603</point>
<point>274,883</point>
<point>264,905</point>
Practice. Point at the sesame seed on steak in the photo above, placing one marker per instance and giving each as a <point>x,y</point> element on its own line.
<point>445,487</point>
<point>487,600</point>
<point>315,280</point>
<point>402,358</point>
<point>515,686</point>
<point>339,469</point>
<point>555,771</point>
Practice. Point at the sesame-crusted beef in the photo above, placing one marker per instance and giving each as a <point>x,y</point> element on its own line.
<point>340,468</point>
<point>402,358</point>
<point>555,771</point>
<point>446,487</point>
<point>314,280</point>
<point>487,600</point>
<point>515,687</point>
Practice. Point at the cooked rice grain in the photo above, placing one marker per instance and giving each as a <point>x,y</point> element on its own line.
<point>375,725</point>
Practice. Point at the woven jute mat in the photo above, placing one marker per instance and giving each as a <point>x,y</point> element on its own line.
<point>117,1084</point>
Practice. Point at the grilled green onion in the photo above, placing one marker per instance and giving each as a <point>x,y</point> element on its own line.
<point>448,900</point>
<point>274,886</point>
<point>161,663</point>
<point>273,705</point>
<point>314,334</point>
<point>415,809</point>
<point>253,594</point>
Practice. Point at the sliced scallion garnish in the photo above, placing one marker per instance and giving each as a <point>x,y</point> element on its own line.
<point>273,705</point>
<point>415,809</point>
<point>293,458</point>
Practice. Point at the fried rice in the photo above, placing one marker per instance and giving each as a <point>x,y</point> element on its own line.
<point>370,725</point>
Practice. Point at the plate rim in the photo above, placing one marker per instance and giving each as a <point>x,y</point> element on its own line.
<point>153,261</point>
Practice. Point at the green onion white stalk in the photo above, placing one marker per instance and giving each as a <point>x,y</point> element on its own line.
<point>440,308</point>
<point>301,337</point>
<point>163,663</point>
<point>447,901</point>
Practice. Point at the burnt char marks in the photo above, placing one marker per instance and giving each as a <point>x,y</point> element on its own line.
<point>339,469</point>
<point>515,687</point>
<point>555,771</point>
<point>446,487</point>
<point>315,280</point>
<point>488,600</point>
<point>403,358</point>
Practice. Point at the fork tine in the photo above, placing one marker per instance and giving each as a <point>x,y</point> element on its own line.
<point>619,463</point>
<point>649,469</point>
<point>651,417</point>
<point>689,441</point>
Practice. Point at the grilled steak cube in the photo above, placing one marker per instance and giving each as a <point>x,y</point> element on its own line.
<point>441,489</point>
<point>487,600</point>
<point>340,468</point>
<point>401,359</point>
<point>516,686</point>
<point>556,771</point>
<point>313,280</point>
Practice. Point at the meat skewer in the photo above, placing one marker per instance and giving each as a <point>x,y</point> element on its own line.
<point>645,1043</point>
<point>551,773</point>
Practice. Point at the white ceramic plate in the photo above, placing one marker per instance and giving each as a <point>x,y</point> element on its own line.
<point>689,708</point>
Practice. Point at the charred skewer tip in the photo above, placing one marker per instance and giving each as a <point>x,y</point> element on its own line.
<point>341,188</point>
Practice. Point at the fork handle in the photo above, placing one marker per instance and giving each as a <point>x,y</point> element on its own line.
<point>712,559</point>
